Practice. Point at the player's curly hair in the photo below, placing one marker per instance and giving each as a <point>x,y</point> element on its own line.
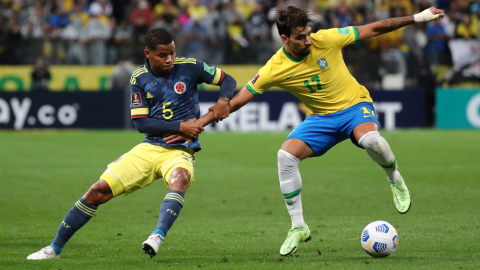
<point>290,18</point>
<point>157,36</point>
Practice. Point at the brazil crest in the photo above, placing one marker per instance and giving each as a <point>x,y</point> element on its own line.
<point>322,63</point>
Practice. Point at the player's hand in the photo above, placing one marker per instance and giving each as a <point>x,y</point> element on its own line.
<point>428,15</point>
<point>177,137</point>
<point>221,109</point>
<point>191,128</point>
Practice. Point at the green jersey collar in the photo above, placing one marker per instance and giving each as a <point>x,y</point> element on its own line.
<point>291,58</point>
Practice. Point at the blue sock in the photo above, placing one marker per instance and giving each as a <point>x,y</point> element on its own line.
<point>78,216</point>
<point>171,206</point>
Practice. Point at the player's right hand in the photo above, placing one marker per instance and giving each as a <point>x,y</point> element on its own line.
<point>171,138</point>
<point>191,128</point>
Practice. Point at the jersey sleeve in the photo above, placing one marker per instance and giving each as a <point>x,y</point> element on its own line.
<point>261,82</point>
<point>341,37</point>
<point>138,103</point>
<point>209,74</point>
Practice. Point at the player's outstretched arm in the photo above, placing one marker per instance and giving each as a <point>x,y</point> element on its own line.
<point>388,25</point>
<point>242,98</point>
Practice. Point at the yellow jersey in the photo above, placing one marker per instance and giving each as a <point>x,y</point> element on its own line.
<point>321,79</point>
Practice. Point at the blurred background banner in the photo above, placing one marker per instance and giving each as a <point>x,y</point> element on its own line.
<point>94,78</point>
<point>400,109</point>
<point>102,110</point>
<point>458,109</point>
<point>272,111</point>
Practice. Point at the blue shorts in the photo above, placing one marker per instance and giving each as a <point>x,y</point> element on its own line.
<point>322,132</point>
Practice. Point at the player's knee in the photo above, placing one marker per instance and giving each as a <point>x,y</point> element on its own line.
<point>179,179</point>
<point>286,161</point>
<point>373,141</point>
<point>99,193</point>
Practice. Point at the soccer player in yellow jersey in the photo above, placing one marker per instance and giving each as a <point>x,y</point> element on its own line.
<point>311,67</point>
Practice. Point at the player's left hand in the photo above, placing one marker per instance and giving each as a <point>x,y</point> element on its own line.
<point>429,14</point>
<point>177,137</point>
<point>221,110</point>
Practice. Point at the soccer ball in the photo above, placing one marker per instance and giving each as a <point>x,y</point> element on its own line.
<point>379,239</point>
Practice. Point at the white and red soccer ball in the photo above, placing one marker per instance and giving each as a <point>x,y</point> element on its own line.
<point>379,239</point>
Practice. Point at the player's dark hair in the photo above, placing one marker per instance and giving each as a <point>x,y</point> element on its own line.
<point>290,18</point>
<point>157,36</point>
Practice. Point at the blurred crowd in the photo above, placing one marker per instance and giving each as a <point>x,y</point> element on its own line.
<point>104,32</point>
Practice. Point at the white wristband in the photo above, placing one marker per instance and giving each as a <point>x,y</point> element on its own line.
<point>425,16</point>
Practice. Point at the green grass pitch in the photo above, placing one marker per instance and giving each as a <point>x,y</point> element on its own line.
<point>234,215</point>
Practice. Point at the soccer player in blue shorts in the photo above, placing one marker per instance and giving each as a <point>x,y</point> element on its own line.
<point>311,67</point>
<point>164,100</point>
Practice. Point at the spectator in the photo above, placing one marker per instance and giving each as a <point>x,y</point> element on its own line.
<point>257,31</point>
<point>57,22</point>
<point>216,26</point>
<point>32,30</point>
<point>122,37</point>
<point>141,18</point>
<point>195,34</point>
<point>40,76</point>
<point>120,78</point>
<point>13,44</point>
<point>197,9</point>
<point>468,27</point>
<point>98,32</point>
<point>75,35</point>
<point>437,47</point>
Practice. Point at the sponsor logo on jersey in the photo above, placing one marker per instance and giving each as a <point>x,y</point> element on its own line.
<point>254,80</point>
<point>180,87</point>
<point>322,63</point>
<point>136,99</point>
<point>149,95</point>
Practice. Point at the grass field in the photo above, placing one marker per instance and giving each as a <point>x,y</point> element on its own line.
<point>234,215</point>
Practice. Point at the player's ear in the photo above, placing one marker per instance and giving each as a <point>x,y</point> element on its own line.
<point>146,52</point>
<point>284,38</point>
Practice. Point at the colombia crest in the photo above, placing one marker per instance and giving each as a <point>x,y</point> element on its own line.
<point>180,88</point>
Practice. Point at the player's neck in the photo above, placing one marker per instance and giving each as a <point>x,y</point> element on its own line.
<point>292,54</point>
<point>156,72</point>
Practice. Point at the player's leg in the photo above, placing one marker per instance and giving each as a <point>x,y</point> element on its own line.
<point>379,150</point>
<point>79,215</point>
<point>289,156</point>
<point>179,173</point>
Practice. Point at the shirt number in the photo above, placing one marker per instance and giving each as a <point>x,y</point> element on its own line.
<point>313,79</point>
<point>167,113</point>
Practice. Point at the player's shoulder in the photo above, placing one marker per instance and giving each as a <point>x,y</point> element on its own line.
<point>185,62</point>
<point>139,75</point>
<point>274,63</point>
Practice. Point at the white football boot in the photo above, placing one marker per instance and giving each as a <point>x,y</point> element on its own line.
<point>151,245</point>
<point>47,252</point>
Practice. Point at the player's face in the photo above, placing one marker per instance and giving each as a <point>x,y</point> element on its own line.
<point>300,41</point>
<point>162,58</point>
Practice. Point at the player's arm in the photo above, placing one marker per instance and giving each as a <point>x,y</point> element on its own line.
<point>215,76</point>
<point>147,125</point>
<point>388,25</point>
<point>227,87</point>
<point>242,98</point>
